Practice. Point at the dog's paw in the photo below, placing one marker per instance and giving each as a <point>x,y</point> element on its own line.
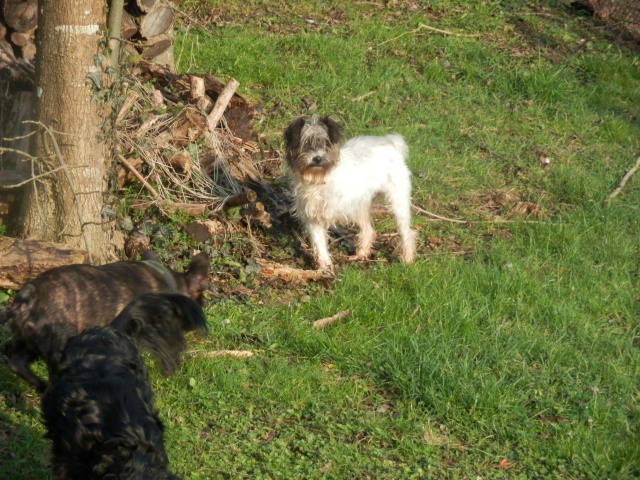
<point>326,269</point>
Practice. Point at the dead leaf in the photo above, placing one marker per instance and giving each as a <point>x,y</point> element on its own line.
<point>548,419</point>
<point>504,464</point>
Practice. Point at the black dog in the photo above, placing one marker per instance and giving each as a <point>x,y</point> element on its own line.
<point>98,408</point>
<point>63,301</point>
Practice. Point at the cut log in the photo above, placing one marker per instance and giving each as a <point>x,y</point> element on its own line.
<point>20,39</point>
<point>23,260</point>
<point>156,22</point>
<point>197,88</point>
<point>6,52</point>
<point>21,15</point>
<point>163,77</point>
<point>29,52</point>
<point>153,50</point>
<point>128,28</point>
<point>145,5</point>
<point>240,199</point>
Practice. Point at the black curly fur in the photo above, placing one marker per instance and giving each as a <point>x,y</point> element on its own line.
<point>98,408</point>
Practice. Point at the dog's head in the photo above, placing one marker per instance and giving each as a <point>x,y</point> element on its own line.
<point>313,148</point>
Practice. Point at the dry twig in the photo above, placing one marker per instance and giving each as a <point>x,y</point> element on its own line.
<point>140,178</point>
<point>323,322</point>
<point>427,27</point>
<point>284,272</point>
<point>222,353</point>
<point>436,217</point>
<point>623,182</point>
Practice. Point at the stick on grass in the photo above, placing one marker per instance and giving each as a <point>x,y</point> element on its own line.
<point>432,29</point>
<point>223,353</point>
<point>323,322</point>
<point>626,177</point>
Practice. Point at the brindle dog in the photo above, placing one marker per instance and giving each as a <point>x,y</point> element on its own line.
<point>63,301</point>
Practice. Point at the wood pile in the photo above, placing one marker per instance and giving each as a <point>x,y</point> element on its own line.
<point>147,27</point>
<point>147,31</point>
<point>187,141</point>
<point>18,22</point>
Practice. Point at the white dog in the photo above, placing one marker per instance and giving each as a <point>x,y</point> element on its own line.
<point>337,185</point>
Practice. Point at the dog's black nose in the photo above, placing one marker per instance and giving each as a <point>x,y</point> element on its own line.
<point>317,160</point>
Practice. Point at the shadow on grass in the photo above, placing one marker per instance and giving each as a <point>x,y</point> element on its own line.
<point>24,451</point>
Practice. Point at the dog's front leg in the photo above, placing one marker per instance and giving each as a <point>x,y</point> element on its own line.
<point>19,359</point>
<point>319,240</point>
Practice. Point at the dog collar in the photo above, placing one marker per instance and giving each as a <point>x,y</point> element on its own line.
<point>166,274</point>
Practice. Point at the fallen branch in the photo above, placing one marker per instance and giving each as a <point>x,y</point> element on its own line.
<point>248,196</point>
<point>140,178</point>
<point>277,270</point>
<point>323,322</point>
<point>626,177</point>
<point>437,217</point>
<point>222,353</point>
<point>220,106</point>
<point>191,209</point>
<point>427,27</point>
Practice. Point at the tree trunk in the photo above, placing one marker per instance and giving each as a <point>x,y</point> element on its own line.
<point>66,206</point>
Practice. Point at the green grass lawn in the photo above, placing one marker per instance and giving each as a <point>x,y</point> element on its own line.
<point>511,348</point>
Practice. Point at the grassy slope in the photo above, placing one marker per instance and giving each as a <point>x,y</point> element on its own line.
<point>505,342</point>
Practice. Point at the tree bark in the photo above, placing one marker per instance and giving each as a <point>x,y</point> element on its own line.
<point>65,207</point>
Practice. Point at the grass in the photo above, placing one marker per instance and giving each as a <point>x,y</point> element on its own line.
<point>509,350</point>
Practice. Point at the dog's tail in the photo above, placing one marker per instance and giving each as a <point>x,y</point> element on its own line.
<point>156,322</point>
<point>398,142</point>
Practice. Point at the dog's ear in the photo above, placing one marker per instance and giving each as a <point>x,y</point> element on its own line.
<point>197,276</point>
<point>334,129</point>
<point>149,255</point>
<point>293,133</point>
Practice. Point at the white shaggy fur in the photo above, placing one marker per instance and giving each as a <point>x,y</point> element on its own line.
<point>367,167</point>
